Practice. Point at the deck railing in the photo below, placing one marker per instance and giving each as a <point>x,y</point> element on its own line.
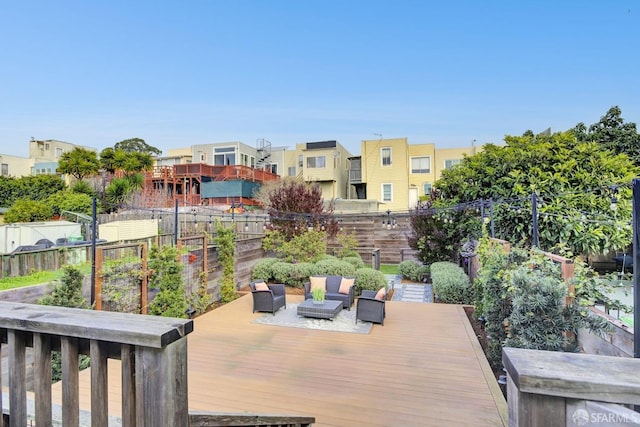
<point>554,389</point>
<point>153,355</point>
<point>153,352</point>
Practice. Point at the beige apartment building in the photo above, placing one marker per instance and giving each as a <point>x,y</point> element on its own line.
<point>323,163</point>
<point>15,166</point>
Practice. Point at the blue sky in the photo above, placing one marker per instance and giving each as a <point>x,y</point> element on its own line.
<point>194,72</point>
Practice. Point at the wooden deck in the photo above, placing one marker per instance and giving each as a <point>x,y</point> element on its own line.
<point>423,367</point>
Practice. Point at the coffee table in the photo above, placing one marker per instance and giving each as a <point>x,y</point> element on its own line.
<point>327,310</point>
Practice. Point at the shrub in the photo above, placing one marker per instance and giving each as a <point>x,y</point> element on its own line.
<point>450,283</point>
<point>300,273</point>
<point>335,267</point>
<point>25,210</point>
<point>490,300</point>
<point>370,279</point>
<point>68,293</point>
<point>282,272</point>
<point>171,301</point>
<point>263,270</point>
<point>306,247</point>
<point>412,270</point>
<point>348,243</point>
<point>354,260</point>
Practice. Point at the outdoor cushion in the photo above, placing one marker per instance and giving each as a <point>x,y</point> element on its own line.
<point>345,285</point>
<point>381,294</point>
<point>261,286</point>
<point>318,282</point>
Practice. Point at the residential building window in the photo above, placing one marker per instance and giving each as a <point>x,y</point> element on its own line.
<point>244,159</point>
<point>292,171</point>
<point>273,168</point>
<point>316,162</point>
<point>58,153</point>
<point>203,156</point>
<point>224,156</point>
<point>448,164</point>
<point>253,162</point>
<point>300,161</point>
<point>426,188</point>
<point>385,155</point>
<point>5,169</point>
<point>46,146</point>
<point>421,164</point>
<point>387,192</point>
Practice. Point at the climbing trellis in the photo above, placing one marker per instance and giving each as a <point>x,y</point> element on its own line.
<point>121,278</point>
<point>193,256</point>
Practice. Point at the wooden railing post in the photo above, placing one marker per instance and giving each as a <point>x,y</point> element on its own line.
<point>547,388</point>
<point>161,386</point>
<point>153,350</point>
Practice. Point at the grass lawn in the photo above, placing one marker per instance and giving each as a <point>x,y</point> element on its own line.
<point>389,268</point>
<point>38,278</point>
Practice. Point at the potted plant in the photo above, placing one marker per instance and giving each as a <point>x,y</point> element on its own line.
<point>318,296</point>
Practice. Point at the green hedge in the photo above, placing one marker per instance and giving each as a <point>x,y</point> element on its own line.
<point>412,270</point>
<point>450,283</point>
<point>370,279</point>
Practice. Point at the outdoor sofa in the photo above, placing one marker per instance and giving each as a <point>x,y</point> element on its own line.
<point>338,288</point>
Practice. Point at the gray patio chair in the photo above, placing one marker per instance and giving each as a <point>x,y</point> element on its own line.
<point>269,300</point>
<point>370,309</point>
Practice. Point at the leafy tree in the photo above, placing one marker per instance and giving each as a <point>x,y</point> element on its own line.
<point>25,210</point>
<point>613,133</point>
<point>128,162</point>
<point>107,160</point>
<point>33,187</point>
<point>70,201</point>
<point>84,188</point>
<point>118,191</point>
<point>137,145</point>
<point>440,229</point>
<point>574,182</point>
<point>296,207</point>
<point>167,276</point>
<point>79,163</point>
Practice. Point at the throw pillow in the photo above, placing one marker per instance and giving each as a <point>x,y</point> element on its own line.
<point>382,293</point>
<point>345,285</point>
<point>318,282</point>
<point>261,286</point>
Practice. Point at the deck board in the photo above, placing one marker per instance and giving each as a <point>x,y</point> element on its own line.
<point>423,367</point>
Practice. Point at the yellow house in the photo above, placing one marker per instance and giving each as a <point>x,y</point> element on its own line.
<point>393,172</point>
<point>446,158</point>
<point>324,163</point>
<point>396,174</point>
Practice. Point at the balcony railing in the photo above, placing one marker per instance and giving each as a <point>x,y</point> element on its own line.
<point>556,389</point>
<point>153,354</point>
<point>355,176</point>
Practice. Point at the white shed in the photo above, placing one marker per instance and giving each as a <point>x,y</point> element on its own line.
<point>28,233</point>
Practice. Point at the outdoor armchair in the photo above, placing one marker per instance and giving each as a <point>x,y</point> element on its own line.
<point>270,299</point>
<point>369,308</point>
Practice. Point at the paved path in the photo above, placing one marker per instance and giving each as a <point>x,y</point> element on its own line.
<point>408,292</point>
